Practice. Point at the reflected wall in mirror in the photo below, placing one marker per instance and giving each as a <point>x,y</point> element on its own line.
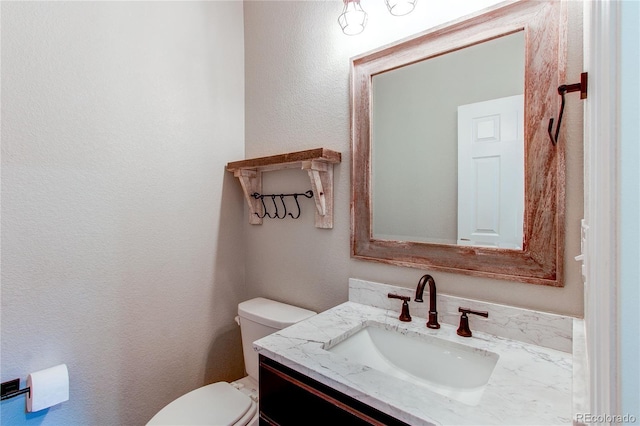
<point>426,192</point>
<point>415,121</point>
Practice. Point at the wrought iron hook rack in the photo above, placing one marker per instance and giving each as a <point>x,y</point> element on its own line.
<point>563,90</point>
<point>318,163</point>
<point>276,215</point>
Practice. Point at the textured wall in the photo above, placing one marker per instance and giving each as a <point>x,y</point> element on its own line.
<point>119,256</point>
<point>297,97</point>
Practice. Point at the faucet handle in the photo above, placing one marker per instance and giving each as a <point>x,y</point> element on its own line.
<point>463,329</point>
<point>469,311</point>
<point>404,315</point>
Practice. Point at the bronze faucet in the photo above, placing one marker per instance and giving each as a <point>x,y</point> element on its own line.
<point>433,313</point>
<point>404,315</point>
<point>464,329</point>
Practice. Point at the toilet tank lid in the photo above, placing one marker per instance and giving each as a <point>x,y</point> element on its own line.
<point>271,313</point>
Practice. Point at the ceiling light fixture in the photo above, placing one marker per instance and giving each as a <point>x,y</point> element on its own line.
<point>353,18</point>
<point>400,7</point>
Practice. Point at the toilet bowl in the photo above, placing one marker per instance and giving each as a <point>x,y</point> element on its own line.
<point>236,403</point>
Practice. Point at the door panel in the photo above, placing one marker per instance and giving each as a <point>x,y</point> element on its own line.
<point>491,173</point>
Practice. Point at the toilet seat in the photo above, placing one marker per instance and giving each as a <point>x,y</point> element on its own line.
<point>217,404</point>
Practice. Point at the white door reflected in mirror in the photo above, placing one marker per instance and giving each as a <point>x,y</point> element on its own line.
<point>491,173</point>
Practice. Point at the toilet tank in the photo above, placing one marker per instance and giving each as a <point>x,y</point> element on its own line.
<point>260,317</point>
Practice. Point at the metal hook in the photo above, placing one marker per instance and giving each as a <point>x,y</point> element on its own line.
<point>283,205</point>
<point>307,194</point>
<point>264,208</point>
<point>295,197</point>
<point>562,90</point>
<point>275,215</point>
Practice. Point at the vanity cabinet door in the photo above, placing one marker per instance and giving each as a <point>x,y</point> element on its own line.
<point>290,398</point>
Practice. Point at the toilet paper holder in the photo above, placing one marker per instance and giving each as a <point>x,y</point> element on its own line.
<point>45,388</point>
<point>11,389</point>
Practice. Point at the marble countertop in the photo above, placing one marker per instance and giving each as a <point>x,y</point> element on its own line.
<point>530,384</point>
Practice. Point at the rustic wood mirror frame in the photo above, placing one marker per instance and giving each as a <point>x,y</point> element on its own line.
<point>541,260</point>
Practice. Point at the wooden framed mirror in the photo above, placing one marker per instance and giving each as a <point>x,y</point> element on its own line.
<point>387,159</point>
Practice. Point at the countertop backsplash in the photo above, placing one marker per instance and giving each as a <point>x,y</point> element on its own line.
<point>524,325</point>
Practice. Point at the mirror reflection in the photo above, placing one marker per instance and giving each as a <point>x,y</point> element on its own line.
<point>447,147</point>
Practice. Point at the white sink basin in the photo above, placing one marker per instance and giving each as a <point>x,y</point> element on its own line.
<point>451,369</point>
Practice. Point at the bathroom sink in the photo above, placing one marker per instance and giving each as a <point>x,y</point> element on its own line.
<point>451,369</point>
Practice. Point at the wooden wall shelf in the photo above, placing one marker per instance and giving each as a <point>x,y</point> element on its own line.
<point>317,162</point>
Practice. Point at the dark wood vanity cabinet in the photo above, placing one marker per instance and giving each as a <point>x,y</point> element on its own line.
<point>290,398</point>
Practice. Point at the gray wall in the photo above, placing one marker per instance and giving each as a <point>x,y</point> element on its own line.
<point>297,97</point>
<point>121,247</point>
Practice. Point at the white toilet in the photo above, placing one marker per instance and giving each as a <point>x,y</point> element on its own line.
<point>234,404</point>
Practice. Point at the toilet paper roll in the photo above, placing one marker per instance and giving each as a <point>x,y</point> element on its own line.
<point>48,388</point>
